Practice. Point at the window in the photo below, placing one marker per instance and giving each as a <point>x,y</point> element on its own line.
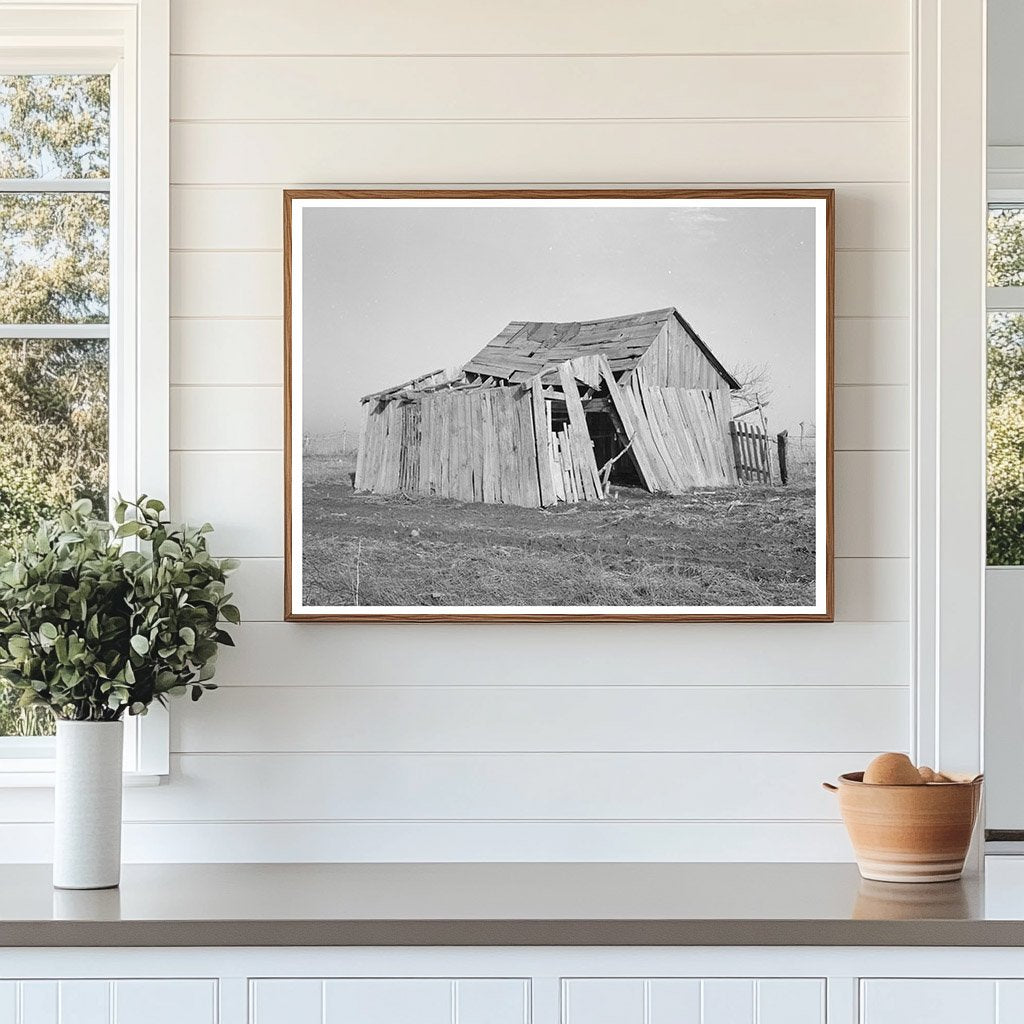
<point>54,309</point>
<point>1005,477</point>
<point>84,126</point>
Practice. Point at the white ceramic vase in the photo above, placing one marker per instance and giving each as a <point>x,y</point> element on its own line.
<point>87,807</point>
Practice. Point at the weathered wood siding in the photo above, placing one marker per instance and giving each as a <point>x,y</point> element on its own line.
<point>675,360</point>
<point>471,445</point>
<point>679,436</point>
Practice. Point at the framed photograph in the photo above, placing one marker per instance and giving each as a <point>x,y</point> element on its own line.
<point>558,405</point>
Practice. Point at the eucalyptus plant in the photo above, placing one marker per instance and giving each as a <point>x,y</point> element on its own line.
<point>98,619</point>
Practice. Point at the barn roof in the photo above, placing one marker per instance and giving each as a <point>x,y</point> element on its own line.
<point>525,347</point>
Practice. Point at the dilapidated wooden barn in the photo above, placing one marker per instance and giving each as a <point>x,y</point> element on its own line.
<point>550,412</point>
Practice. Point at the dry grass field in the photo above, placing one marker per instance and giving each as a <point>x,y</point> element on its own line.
<point>735,546</point>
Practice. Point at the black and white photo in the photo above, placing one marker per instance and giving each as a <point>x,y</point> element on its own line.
<point>543,405</point>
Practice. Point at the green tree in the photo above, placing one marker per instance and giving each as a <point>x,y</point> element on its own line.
<point>1005,441</point>
<point>53,270</point>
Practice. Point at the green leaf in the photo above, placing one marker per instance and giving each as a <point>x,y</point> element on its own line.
<point>170,549</point>
<point>140,644</point>
<point>18,646</point>
<point>49,631</point>
<point>231,613</point>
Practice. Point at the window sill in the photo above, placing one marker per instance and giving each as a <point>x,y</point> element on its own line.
<point>38,773</point>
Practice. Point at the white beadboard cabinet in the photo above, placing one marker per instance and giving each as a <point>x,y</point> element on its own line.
<point>942,1001</point>
<point>513,985</point>
<point>104,1001</point>
<point>693,1001</point>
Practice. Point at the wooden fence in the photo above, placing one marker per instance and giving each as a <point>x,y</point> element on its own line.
<point>751,453</point>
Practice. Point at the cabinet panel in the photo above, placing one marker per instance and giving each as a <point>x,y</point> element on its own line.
<point>38,1002</point>
<point>101,1001</point>
<point>728,1001</point>
<point>165,1002</point>
<point>693,1001</point>
<point>84,1002</point>
<point>790,1001</point>
<point>492,1001</point>
<point>388,1001</point>
<point>929,1001</point>
<point>1010,1002</point>
<point>8,1002</point>
<point>674,1000</point>
<point>603,1001</point>
<point>286,1001</point>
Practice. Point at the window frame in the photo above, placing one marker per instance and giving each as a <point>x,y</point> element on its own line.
<point>130,41</point>
<point>1005,298</point>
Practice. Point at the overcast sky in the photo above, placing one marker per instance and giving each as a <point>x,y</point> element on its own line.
<point>389,294</point>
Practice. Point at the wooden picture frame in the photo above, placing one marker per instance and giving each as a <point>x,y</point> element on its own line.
<point>526,378</point>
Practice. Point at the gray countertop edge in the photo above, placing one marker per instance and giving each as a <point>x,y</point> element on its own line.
<point>255,933</point>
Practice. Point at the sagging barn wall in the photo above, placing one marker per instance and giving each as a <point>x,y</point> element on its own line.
<point>532,445</point>
<point>477,444</point>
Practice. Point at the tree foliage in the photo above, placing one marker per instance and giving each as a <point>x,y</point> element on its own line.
<point>1005,479</point>
<point>1005,441</point>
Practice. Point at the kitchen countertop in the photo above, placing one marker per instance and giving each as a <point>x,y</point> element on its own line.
<point>650,904</point>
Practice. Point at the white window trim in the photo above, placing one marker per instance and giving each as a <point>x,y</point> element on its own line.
<point>1005,187</point>
<point>131,41</point>
<point>949,444</point>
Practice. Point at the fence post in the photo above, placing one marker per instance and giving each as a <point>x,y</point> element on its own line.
<point>783,471</point>
<point>736,451</point>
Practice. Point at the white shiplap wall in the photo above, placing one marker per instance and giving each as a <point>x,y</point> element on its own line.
<point>683,741</point>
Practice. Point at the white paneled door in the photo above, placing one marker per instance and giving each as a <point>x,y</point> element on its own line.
<point>693,1001</point>
<point>389,1001</point>
<point>934,1001</point>
<point>99,1001</point>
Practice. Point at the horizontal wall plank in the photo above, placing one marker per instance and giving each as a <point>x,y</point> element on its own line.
<point>243,787</point>
<point>868,216</point>
<point>872,590</point>
<point>258,586</point>
<point>367,88</point>
<point>867,589</point>
<point>239,418</point>
<point>486,787</point>
<point>227,352</point>
<point>872,418</point>
<point>535,719</point>
<point>241,493</point>
<point>576,151</point>
<point>233,284</point>
<point>872,350</point>
<point>438,654</point>
<point>873,283</point>
<point>535,26</point>
<point>462,842</point>
<point>872,504</point>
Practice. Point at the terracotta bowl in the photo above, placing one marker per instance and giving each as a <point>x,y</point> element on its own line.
<point>909,833</point>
